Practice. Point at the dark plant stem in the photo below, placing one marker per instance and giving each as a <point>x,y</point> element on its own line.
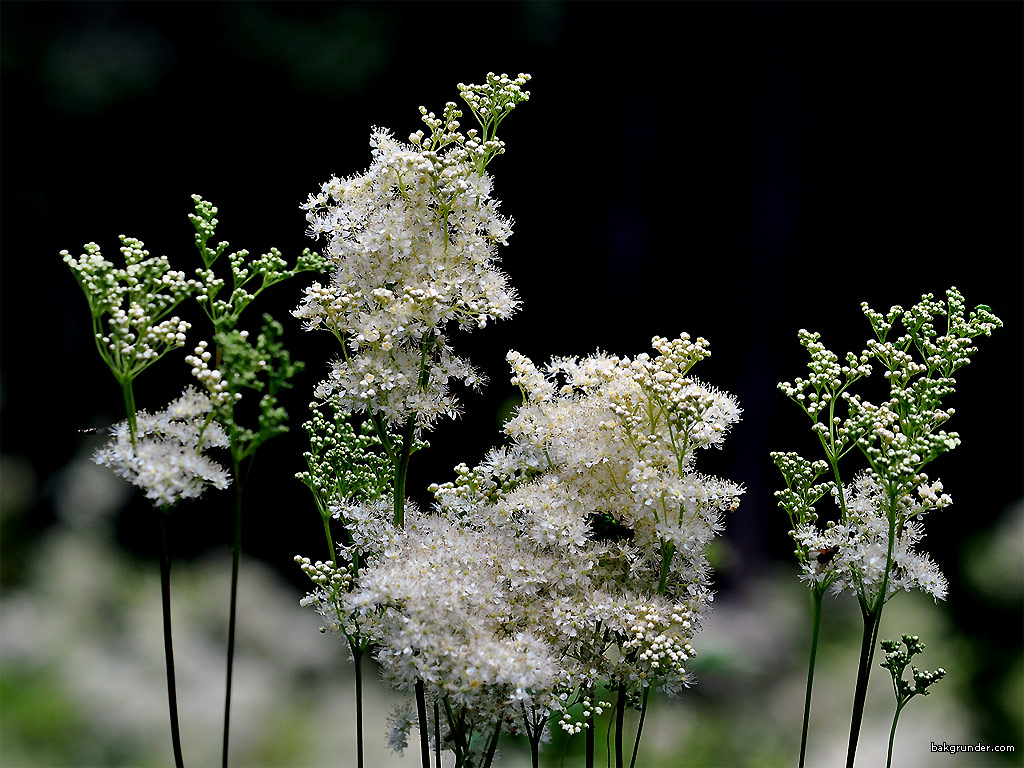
<point>421,713</point>
<point>437,734</point>
<point>357,659</point>
<point>236,556</point>
<point>872,613</point>
<point>872,618</point>
<point>816,595</point>
<point>589,737</point>
<point>640,726</point>
<point>492,747</point>
<point>165,598</point>
<point>620,717</point>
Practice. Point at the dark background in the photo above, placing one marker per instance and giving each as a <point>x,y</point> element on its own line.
<point>734,170</point>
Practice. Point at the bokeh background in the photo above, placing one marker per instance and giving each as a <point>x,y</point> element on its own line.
<point>734,170</point>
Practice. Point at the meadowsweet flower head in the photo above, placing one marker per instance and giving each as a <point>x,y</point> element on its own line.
<point>896,661</point>
<point>606,519</point>
<point>249,277</point>
<point>412,243</point>
<point>130,305</point>
<point>166,458</point>
<point>854,554</point>
<point>445,618</point>
<point>873,542</point>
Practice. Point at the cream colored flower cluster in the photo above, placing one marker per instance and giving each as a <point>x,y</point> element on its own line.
<point>413,247</point>
<point>573,557</point>
<point>166,458</point>
<point>872,543</point>
<point>606,521</point>
<point>853,554</point>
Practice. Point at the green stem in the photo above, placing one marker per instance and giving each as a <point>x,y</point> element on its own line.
<point>165,599</point>
<point>331,554</point>
<point>620,717</point>
<point>640,726</point>
<point>401,470</point>
<point>867,651</point>
<point>421,713</point>
<point>668,551</point>
<point>128,392</point>
<point>236,556</point>
<point>437,734</point>
<point>534,731</point>
<point>872,621</point>
<point>892,735</point>
<point>455,731</point>
<point>357,658</point>
<point>816,596</point>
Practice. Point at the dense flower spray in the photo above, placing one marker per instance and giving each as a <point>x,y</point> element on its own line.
<point>585,546</point>
<point>166,458</point>
<point>413,247</point>
<point>871,548</point>
<point>164,454</point>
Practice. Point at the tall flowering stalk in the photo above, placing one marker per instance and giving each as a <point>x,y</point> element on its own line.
<point>412,247</point>
<point>871,548</point>
<point>160,453</point>
<point>522,593</point>
<point>164,453</point>
<point>235,366</point>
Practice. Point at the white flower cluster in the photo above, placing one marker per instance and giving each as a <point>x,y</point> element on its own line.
<point>576,555</point>
<point>166,458</point>
<point>136,298</point>
<point>853,554</point>
<point>210,378</point>
<point>879,522</point>
<point>413,247</point>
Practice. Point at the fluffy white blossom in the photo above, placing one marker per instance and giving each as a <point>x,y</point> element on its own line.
<point>853,555</point>
<point>603,519</point>
<point>412,243</point>
<point>166,459</point>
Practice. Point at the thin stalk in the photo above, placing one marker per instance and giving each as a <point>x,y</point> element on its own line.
<point>668,551</point>
<point>620,717</point>
<point>816,595</point>
<point>165,599</point>
<point>589,740</point>
<point>421,712</point>
<point>892,735</point>
<point>128,392</point>
<point>331,554</point>
<point>534,735</point>
<point>640,726</point>
<point>867,649</point>
<point>401,470</point>
<point>456,732</point>
<point>357,658</point>
<point>872,621</point>
<point>357,652</point>
<point>236,556</point>
<point>437,734</point>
